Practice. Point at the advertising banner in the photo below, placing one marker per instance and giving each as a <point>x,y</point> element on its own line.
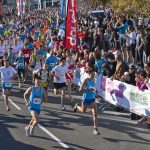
<point>71,26</point>
<point>119,93</point>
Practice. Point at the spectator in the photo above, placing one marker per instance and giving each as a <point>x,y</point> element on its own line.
<point>132,72</point>
<point>121,68</point>
<point>146,44</point>
<point>99,63</point>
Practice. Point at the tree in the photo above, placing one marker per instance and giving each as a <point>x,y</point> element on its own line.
<point>131,6</point>
<point>98,1</point>
<point>126,6</point>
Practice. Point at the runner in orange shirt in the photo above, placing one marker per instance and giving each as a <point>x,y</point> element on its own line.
<point>38,43</point>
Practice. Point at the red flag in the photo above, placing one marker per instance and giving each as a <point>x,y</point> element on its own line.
<point>71,25</point>
<point>18,6</point>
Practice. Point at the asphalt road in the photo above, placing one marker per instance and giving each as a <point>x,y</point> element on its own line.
<point>60,130</point>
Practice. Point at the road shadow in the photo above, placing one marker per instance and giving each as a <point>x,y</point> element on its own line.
<point>7,140</point>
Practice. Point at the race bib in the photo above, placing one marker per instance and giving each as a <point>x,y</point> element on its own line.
<point>37,101</point>
<point>52,64</point>
<point>21,64</point>
<point>62,74</point>
<point>8,84</point>
<point>44,80</point>
<point>44,77</point>
<point>26,55</point>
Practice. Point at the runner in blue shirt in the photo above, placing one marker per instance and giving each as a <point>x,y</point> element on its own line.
<point>20,62</point>
<point>88,88</point>
<point>51,61</point>
<point>37,97</point>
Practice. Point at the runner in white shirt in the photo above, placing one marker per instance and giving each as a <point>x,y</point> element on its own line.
<point>20,44</point>
<point>36,64</point>
<point>16,49</point>
<point>7,75</point>
<point>59,73</point>
<point>2,49</point>
<point>70,66</point>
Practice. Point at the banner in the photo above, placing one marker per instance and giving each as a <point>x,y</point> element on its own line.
<point>119,93</point>
<point>71,26</point>
<point>18,6</point>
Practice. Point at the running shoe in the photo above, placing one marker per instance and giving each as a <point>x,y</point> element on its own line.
<point>27,129</point>
<point>19,84</point>
<point>31,131</point>
<point>75,107</point>
<point>8,109</point>
<point>63,107</point>
<point>96,132</point>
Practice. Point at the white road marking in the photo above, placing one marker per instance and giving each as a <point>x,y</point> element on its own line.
<point>14,104</point>
<point>53,136</point>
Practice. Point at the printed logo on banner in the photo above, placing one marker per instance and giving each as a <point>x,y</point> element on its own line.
<point>103,84</point>
<point>140,98</point>
<point>71,26</point>
<point>113,88</point>
<point>110,87</point>
<point>119,90</point>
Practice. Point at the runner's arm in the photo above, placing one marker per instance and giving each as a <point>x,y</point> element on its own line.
<point>81,89</point>
<point>53,73</point>
<point>26,94</point>
<point>36,72</point>
<point>69,76</point>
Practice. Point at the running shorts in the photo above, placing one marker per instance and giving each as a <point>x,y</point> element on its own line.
<point>88,101</point>
<point>59,85</point>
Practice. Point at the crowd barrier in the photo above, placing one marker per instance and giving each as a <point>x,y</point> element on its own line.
<point>119,93</point>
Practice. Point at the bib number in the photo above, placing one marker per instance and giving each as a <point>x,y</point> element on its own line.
<point>8,85</point>
<point>26,55</point>
<point>37,101</point>
<point>62,74</point>
<point>21,64</point>
<point>52,64</point>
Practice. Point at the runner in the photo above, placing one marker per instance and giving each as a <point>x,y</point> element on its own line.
<point>44,74</point>
<point>89,91</point>
<point>20,62</point>
<point>71,67</point>
<point>27,52</point>
<point>34,103</point>
<point>60,79</point>
<point>36,64</point>
<point>7,75</point>
<point>51,61</point>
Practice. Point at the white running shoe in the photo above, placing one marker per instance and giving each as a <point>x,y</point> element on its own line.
<point>27,129</point>
<point>31,131</point>
<point>96,132</point>
<point>20,85</point>
<point>62,108</point>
